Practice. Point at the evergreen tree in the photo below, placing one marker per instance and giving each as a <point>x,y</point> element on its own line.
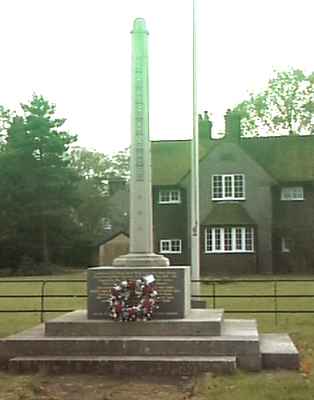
<point>38,187</point>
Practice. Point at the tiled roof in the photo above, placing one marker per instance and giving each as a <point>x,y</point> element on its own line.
<point>171,160</point>
<point>285,158</point>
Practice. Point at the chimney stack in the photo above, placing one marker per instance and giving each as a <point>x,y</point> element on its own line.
<point>232,126</point>
<point>205,128</point>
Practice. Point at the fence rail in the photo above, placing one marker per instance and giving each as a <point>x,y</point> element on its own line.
<point>213,296</point>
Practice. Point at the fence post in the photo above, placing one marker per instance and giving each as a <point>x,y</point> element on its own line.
<point>276,303</point>
<point>42,301</point>
<point>214,294</point>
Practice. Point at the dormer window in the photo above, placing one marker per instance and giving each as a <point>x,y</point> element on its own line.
<point>169,196</point>
<point>292,193</point>
<point>228,187</point>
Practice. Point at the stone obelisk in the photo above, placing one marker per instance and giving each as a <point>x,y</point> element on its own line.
<point>141,220</point>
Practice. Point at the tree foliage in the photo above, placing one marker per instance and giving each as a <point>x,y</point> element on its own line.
<point>53,196</point>
<point>95,170</point>
<point>37,184</point>
<point>285,107</point>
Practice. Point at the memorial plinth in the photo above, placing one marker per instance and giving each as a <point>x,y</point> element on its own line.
<point>173,284</point>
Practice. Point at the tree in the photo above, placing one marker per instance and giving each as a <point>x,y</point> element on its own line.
<point>285,107</point>
<point>95,170</point>
<point>38,187</point>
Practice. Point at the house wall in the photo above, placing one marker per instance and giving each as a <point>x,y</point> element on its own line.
<point>170,222</point>
<point>294,220</point>
<point>112,249</point>
<point>230,158</point>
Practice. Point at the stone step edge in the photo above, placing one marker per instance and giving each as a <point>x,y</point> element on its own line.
<point>196,314</point>
<point>157,365</point>
<point>223,338</point>
<point>278,351</point>
<point>127,358</point>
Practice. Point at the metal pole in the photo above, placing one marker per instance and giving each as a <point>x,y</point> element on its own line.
<point>195,245</point>
<point>42,302</point>
<point>214,295</point>
<point>276,303</point>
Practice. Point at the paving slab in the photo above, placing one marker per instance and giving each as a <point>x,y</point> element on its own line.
<point>278,351</point>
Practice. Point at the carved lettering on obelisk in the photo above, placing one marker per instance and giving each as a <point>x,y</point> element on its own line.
<point>139,119</point>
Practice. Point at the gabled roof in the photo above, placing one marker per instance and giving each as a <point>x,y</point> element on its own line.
<point>112,235</point>
<point>233,212</point>
<point>171,160</point>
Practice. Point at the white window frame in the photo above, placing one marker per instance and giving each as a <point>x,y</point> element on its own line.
<point>212,233</point>
<point>171,244</point>
<point>224,179</point>
<point>292,193</point>
<point>169,196</point>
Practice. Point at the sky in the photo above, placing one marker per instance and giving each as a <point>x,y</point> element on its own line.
<point>77,54</point>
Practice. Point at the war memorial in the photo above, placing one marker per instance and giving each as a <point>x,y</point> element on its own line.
<point>168,338</point>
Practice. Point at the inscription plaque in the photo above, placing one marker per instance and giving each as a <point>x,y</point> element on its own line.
<point>173,285</point>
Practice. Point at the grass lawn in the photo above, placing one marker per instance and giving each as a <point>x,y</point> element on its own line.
<point>264,385</point>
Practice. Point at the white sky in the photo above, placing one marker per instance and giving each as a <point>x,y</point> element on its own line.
<point>77,54</point>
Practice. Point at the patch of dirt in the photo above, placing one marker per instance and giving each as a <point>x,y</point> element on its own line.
<point>86,387</point>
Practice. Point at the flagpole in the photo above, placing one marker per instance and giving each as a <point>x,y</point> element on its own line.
<point>195,244</point>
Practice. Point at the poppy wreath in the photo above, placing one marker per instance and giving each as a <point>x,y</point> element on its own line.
<point>133,300</point>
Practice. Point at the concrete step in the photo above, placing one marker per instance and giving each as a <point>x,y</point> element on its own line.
<point>278,351</point>
<point>200,322</point>
<point>34,340</point>
<point>239,327</point>
<point>245,347</point>
<point>131,365</point>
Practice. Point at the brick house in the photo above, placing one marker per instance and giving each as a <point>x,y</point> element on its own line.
<point>256,201</point>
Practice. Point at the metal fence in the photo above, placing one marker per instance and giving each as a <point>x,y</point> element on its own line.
<point>42,310</point>
<point>211,298</point>
<point>274,295</point>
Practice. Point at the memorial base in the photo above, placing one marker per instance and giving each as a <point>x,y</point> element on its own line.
<point>173,285</point>
<point>202,342</point>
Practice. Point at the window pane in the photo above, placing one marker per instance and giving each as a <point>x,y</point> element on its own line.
<point>228,186</point>
<point>238,238</point>
<point>209,240</point>
<point>217,186</point>
<point>165,245</point>
<point>249,239</point>
<point>176,245</point>
<point>164,196</point>
<point>217,238</point>
<point>228,239</point>
<point>238,186</point>
<point>175,196</point>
